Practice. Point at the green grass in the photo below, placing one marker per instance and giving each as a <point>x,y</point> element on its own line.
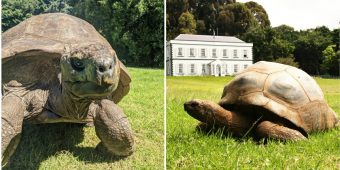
<point>189,149</point>
<point>72,146</point>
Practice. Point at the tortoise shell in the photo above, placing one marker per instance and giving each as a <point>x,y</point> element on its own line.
<point>31,50</point>
<point>283,90</point>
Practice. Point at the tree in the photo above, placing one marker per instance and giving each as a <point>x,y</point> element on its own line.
<point>57,6</point>
<point>335,38</point>
<point>206,11</point>
<point>285,32</point>
<point>288,61</point>
<point>187,23</point>
<point>262,42</point>
<point>281,48</point>
<point>147,32</point>
<point>200,27</point>
<point>98,13</point>
<point>174,10</point>
<point>308,49</point>
<point>221,17</point>
<point>239,18</point>
<point>259,13</point>
<point>225,21</point>
<point>330,63</point>
<point>15,11</point>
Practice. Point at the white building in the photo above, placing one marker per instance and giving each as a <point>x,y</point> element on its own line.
<point>198,55</point>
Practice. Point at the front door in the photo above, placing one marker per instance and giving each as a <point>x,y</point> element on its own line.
<point>218,70</point>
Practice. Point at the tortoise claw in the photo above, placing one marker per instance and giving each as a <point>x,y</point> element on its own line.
<point>100,148</point>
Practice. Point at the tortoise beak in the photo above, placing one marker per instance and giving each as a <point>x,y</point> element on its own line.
<point>109,81</point>
<point>104,79</point>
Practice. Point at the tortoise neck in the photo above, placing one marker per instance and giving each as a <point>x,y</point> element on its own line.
<point>70,106</point>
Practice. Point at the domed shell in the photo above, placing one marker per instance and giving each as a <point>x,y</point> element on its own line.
<point>285,91</point>
<point>29,47</point>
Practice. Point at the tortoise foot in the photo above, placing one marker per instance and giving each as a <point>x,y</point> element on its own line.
<point>10,150</point>
<point>113,129</point>
<point>12,119</point>
<point>267,129</point>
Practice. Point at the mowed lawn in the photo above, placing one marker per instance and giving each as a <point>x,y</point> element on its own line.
<point>72,146</point>
<point>189,149</point>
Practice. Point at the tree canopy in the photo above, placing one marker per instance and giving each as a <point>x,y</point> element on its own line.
<point>222,17</point>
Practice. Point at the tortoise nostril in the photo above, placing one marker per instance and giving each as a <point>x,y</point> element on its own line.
<point>101,69</point>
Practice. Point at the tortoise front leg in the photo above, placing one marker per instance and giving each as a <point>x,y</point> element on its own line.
<point>214,115</point>
<point>267,129</point>
<point>12,119</point>
<point>113,129</point>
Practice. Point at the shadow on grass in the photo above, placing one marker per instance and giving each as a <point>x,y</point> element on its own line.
<point>39,142</point>
<point>206,130</point>
<point>223,133</point>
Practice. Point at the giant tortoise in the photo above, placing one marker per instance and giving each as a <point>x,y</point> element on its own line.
<point>58,68</point>
<point>267,100</point>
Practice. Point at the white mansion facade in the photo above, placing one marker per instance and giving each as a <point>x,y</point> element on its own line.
<point>199,55</point>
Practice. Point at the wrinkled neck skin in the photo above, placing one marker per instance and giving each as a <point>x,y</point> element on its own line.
<point>66,104</point>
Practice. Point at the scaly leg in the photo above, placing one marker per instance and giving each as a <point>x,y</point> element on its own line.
<point>113,129</point>
<point>12,119</point>
<point>267,129</point>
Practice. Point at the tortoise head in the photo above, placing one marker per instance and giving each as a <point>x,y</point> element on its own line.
<point>89,71</point>
<point>201,109</point>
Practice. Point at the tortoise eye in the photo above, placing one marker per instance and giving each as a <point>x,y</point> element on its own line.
<point>77,64</point>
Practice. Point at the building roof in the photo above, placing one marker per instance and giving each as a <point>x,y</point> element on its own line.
<point>210,38</point>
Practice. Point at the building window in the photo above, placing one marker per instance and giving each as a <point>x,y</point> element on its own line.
<point>225,53</point>
<point>235,53</point>
<point>180,68</point>
<point>203,52</point>
<point>245,54</point>
<point>245,66</point>
<point>191,52</point>
<point>203,68</point>
<point>180,51</point>
<point>192,68</point>
<point>226,68</point>
<point>235,68</point>
<point>213,52</point>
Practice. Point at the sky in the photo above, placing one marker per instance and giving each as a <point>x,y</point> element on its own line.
<point>302,14</point>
